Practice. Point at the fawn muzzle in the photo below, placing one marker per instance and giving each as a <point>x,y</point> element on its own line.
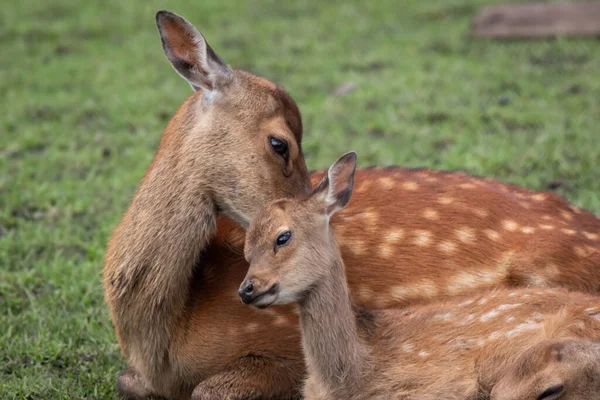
<point>251,293</point>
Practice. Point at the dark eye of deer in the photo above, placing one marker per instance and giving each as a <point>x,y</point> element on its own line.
<point>279,146</point>
<point>283,238</point>
<point>551,391</point>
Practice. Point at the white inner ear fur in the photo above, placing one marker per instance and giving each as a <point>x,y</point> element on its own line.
<point>330,198</point>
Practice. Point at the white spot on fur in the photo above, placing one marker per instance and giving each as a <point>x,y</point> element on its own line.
<point>387,248</point>
<point>465,235</point>
<point>358,248</point>
<point>394,235</point>
<point>422,238</point>
<point>423,353</point>
<point>482,301</point>
<point>590,235</point>
<point>445,316</point>
<point>365,293</point>
<point>423,288</point>
<point>528,326</point>
<point>430,214</point>
<point>387,183</point>
<point>461,282</point>
<point>445,200</point>
<point>527,229</point>
<point>408,347</point>
<point>480,212</point>
<point>504,307</point>
<point>546,227</point>
<point>569,231</point>
<point>363,187</point>
<point>552,270</point>
<point>525,204</point>
<point>538,197</point>
<point>494,335</point>
<point>536,280</point>
<point>281,320</point>
<point>510,225</point>
<point>409,185</point>
<point>580,251</point>
<point>537,316</point>
<point>489,315</point>
<point>510,318</point>
<point>492,234</point>
<point>488,276</point>
<point>566,215</point>
<point>447,247</point>
<point>512,294</point>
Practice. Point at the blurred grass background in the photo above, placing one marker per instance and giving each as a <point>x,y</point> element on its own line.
<point>86,92</point>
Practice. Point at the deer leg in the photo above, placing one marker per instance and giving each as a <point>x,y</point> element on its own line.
<point>254,377</point>
<point>131,385</point>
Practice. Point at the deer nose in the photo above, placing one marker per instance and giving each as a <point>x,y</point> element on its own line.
<point>246,292</point>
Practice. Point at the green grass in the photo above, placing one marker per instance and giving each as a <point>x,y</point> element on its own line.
<point>86,92</point>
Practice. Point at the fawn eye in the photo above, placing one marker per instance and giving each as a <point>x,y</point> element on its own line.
<point>282,239</point>
<point>551,391</point>
<point>279,146</point>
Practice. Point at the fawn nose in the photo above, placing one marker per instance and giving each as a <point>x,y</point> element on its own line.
<point>246,292</point>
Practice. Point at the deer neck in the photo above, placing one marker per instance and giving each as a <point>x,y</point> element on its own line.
<point>335,353</point>
<point>153,252</point>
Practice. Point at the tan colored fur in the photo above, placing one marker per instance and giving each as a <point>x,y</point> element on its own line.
<point>214,156</point>
<point>170,273</point>
<point>502,345</point>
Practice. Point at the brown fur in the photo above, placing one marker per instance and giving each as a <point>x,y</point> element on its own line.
<point>165,278</point>
<point>214,156</point>
<point>503,345</point>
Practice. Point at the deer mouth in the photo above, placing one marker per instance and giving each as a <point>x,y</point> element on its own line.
<point>267,298</point>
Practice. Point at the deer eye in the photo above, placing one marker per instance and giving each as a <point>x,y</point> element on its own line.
<point>279,146</point>
<point>551,391</point>
<point>282,239</point>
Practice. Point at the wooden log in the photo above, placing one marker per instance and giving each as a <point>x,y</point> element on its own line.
<point>536,20</point>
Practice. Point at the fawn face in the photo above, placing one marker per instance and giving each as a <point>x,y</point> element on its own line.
<point>289,242</point>
<point>241,132</point>
<point>567,369</point>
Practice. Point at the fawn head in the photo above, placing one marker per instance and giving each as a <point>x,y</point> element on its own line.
<point>289,242</point>
<point>240,131</point>
<point>565,369</point>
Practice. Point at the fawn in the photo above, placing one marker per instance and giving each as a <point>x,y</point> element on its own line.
<point>235,144</point>
<point>504,345</point>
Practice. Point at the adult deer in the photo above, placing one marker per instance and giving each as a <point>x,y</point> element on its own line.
<point>523,344</point>
<point>408,236</point>
<point>232,146</point>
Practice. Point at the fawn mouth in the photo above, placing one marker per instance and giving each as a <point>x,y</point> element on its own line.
<point>267,298</point>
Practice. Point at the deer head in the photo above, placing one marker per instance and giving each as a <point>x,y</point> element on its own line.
<point>557,369</point>
<point>238,136</point>
<point>289,242</point>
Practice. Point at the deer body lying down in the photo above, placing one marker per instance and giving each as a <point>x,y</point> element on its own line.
<point>172,272</point>
<point>525,344</point>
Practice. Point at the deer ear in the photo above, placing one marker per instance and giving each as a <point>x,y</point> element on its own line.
<point>334,191</point>
<point>190,54</point>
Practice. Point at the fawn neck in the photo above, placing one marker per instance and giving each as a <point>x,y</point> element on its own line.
<point>170,221</point>
<point>335,353</point>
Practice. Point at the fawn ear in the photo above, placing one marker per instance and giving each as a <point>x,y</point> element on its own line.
<point>190,54</point>
<point>334,191</point>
